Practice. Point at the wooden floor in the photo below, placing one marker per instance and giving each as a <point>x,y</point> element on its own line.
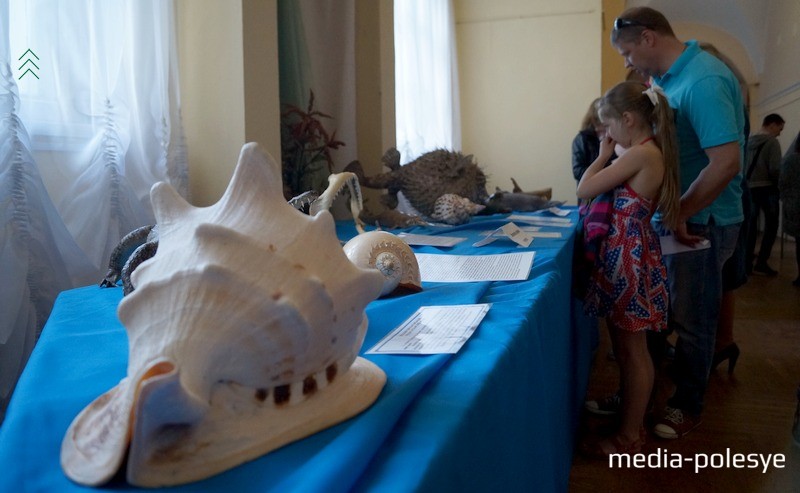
<point>748,413</point>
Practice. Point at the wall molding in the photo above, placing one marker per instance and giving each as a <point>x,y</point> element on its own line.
<point>784,97</point>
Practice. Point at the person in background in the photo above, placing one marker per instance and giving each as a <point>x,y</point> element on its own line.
<point>790,196</point>
<point>707,102</point>
<point>586,145</point>
<point>585,149</point>
<point>628,283</point>
<point>762,173</point>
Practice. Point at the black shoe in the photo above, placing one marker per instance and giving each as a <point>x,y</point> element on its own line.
<point>730,353</point>
<point>796,282</point>
<point>763,268</point>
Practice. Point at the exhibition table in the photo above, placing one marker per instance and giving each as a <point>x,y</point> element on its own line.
<point>500,415</point>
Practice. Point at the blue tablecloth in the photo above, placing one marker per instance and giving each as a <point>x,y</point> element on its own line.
<point>499,415</point>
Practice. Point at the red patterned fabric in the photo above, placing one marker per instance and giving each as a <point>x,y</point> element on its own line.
<point>629,281</point>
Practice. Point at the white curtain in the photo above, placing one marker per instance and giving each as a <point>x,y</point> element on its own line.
<point>82,140</point>
<point>426,77</point>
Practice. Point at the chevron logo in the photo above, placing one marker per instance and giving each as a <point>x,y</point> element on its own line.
<point>29,63</point>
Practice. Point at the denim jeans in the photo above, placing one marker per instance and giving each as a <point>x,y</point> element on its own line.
<point>695,288</point>
<point>766,199</point>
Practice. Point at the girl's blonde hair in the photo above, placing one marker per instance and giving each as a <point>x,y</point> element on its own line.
<point>634,97</point>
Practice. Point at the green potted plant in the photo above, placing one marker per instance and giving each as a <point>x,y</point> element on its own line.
<point>306,149</point>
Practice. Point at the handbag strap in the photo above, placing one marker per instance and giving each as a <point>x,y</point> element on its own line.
<point>755,160</point>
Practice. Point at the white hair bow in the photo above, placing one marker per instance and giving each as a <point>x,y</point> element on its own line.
<point>651,91</point>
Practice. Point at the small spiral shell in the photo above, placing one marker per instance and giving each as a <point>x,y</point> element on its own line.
<point>390,255</point>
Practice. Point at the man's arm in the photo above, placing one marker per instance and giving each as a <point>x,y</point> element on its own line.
<point>723,166</point>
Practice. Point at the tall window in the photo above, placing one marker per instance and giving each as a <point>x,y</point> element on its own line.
<point>426,77</point>
<point>89,121</point>
<point>101,109</point>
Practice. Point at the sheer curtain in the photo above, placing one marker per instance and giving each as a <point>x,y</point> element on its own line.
<point>81,144</point>
<point>426,77</point>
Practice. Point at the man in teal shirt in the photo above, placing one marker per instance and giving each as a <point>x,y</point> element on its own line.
<point>707,102</point>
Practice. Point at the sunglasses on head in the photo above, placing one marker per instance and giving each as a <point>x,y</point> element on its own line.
<point>620,23</point>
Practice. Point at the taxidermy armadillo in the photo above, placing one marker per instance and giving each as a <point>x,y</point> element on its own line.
<point>427,179</point>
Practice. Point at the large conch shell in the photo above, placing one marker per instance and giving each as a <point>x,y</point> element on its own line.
<point>390,255</point>
<point>244,332</point>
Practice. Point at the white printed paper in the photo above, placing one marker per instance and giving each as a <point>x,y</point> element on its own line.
<point>433,330</point>
<point>670,245</point>
<point>471,268</point>
<point>430,240</point>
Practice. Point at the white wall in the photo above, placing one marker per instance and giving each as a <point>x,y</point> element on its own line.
<point>779,84</point>
<point>726,43</point>
<point>762,38</point>
<point>262,121</point>
<point>229,87</point>
<point>212,92</point>
<point>528,71</point>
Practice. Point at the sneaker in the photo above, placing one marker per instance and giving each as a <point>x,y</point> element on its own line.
<point>763,268</point>
<point>675,423</point>
<point>607,406</point>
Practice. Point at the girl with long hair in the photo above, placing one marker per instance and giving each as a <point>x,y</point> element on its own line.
<point>628,283</point>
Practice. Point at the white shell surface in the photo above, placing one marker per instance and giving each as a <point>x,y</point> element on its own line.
<point>390,255</point>
<point>242,332</point>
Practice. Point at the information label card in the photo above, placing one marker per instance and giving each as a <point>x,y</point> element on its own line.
<point>471,268</point>
<point>510,231</point>
<point>433,330</point>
